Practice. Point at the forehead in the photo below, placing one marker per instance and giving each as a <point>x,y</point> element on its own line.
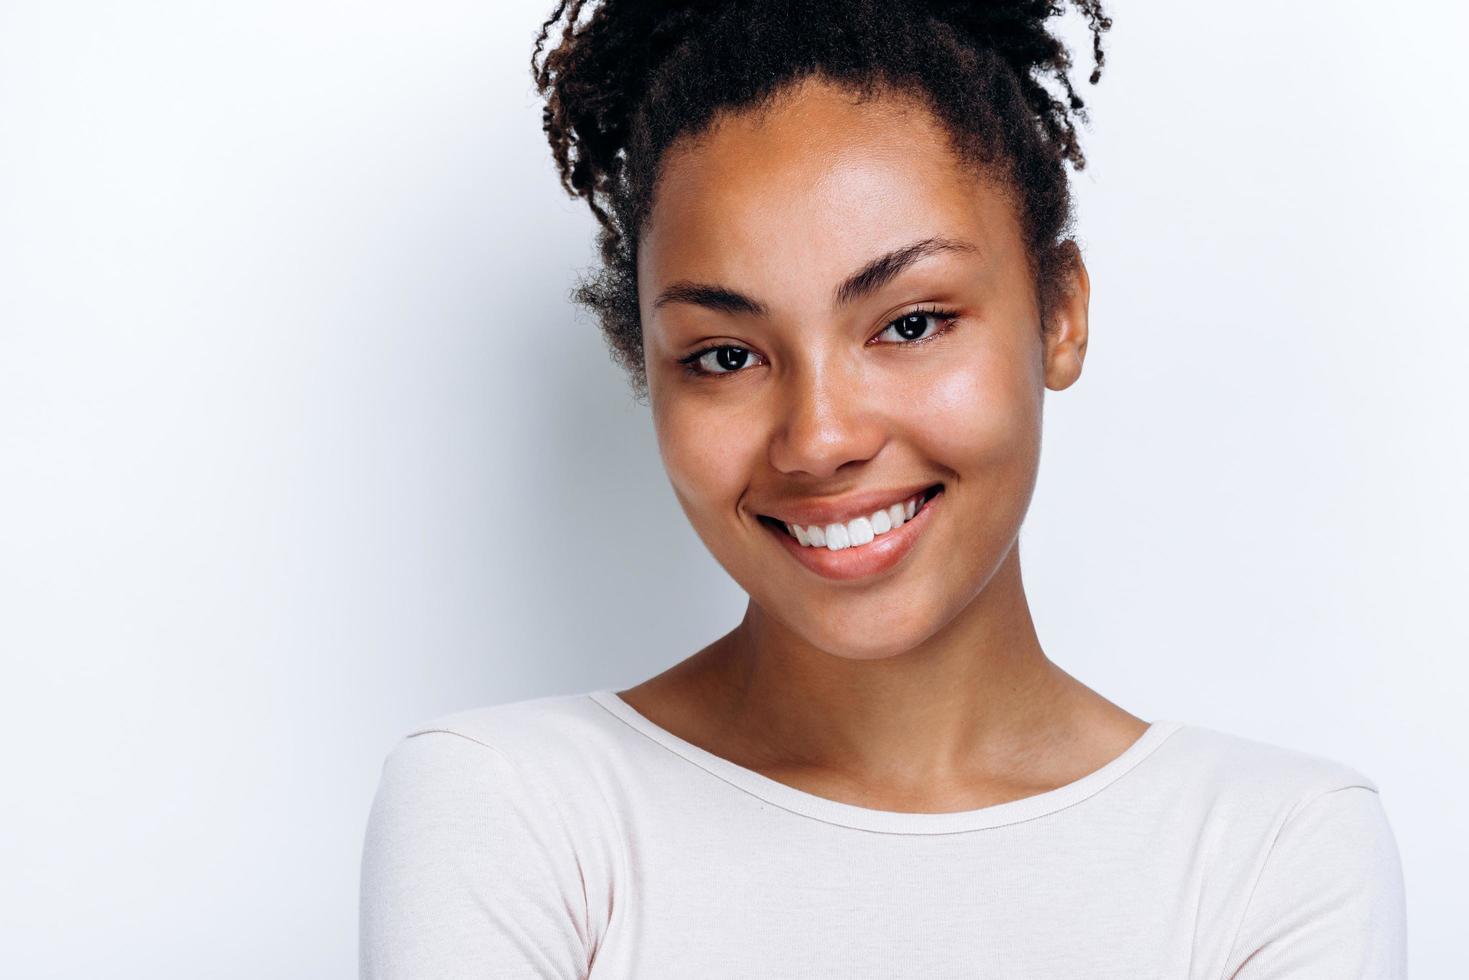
<point>809,187</point>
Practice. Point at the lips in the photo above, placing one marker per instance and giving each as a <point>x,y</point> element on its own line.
<point>865,562</point>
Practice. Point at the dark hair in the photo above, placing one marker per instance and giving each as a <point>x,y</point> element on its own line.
<point>638,74</point>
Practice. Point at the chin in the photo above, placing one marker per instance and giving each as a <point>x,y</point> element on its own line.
<point>866,640</point>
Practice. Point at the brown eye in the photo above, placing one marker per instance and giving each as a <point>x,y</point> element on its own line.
<point>913,327</point>
<point>724,359</point>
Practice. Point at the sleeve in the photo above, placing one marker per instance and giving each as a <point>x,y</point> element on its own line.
<point>466,871</point>
<point>1329,902</point>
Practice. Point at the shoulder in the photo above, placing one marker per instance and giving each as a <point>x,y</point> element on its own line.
<point>475,756</point>
<point>521,724</point>
<point>484,848</point>
<point>1262,796</point>
<point>1328,899</point>
<point>543,751</point>
<point>1310,853</point>
<point>1297,795</point>
<point>1232,769</point>
<point>519,768</point>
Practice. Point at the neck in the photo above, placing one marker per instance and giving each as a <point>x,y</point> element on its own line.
<point>972,698</point>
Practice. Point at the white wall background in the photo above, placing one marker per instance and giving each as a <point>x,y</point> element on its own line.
<point>301,442</point>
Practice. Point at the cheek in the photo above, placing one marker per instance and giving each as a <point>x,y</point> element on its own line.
<point>708,454</point>
<point>980,415</point>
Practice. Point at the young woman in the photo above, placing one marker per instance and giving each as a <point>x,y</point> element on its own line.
<point>836,265</point>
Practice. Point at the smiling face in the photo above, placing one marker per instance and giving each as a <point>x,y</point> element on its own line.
<point>837,313</point>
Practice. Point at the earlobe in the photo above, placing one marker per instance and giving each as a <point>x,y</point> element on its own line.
<point>1066,337</point>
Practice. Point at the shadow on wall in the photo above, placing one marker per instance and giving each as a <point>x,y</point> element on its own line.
<point>602,581</point>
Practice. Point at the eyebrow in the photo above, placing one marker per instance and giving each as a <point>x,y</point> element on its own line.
<point>864,282</point>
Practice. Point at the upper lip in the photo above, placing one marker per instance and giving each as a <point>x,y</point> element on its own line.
<point>839,510</point>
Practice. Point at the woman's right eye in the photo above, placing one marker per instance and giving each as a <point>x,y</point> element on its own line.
<point>723,359</point>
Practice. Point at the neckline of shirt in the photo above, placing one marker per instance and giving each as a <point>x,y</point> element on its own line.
<point>891,821</point>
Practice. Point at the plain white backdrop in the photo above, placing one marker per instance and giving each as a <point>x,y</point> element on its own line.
<point>302,443</point>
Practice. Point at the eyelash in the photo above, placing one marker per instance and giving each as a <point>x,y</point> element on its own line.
<point>945,318</point>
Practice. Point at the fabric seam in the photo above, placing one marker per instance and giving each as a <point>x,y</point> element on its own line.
<point>1294,812</point>
<point>892,833</point>
<point>555,807</point>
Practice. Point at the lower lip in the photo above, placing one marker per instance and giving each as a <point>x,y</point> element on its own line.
<point>873,558</point>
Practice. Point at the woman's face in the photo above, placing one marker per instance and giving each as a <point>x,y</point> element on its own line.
<point>830,387</point>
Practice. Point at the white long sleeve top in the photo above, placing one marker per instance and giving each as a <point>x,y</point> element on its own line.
<point>571,837</point>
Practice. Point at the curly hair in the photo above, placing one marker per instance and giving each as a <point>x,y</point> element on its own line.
<point>638,74</point>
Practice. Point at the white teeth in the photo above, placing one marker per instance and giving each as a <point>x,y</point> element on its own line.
<point>836,537</point>
<point>858,531</point>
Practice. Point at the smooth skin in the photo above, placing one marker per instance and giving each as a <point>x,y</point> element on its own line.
<point>924,688</point>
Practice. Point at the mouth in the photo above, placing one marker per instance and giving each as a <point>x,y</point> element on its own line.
<point>858,532</point>
<point>879,552</point>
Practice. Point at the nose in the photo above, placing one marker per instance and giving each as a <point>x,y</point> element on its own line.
<point>827,420</point>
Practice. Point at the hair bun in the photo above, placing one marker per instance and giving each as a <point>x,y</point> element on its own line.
<point>1017,29</point>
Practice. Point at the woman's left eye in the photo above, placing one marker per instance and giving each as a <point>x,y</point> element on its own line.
<point>913,327</point>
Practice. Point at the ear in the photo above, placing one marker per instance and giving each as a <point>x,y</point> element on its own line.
<point>1066,333</point>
